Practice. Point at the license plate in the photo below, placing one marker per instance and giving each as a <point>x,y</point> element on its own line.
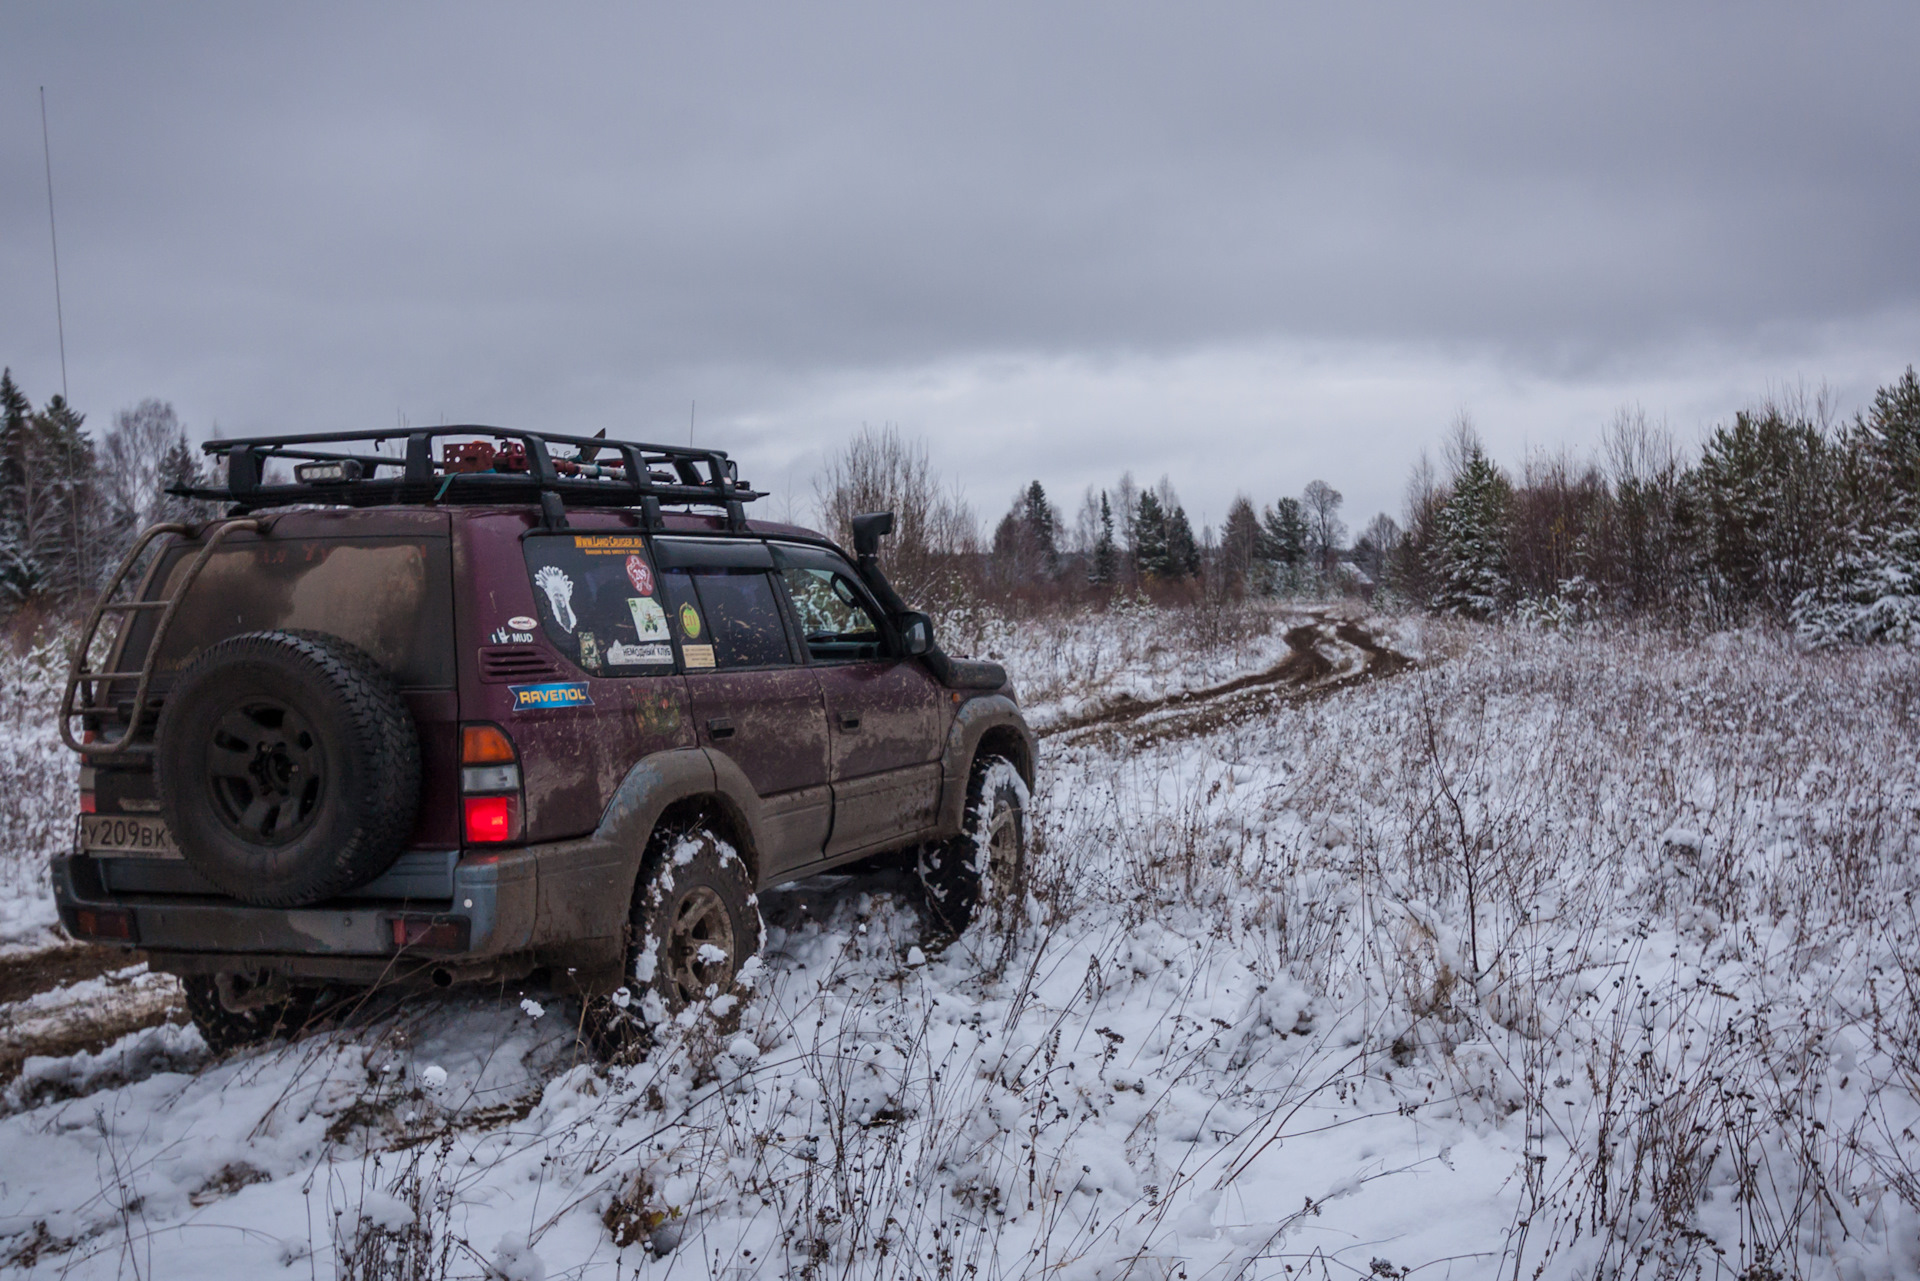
<point>138,835</point>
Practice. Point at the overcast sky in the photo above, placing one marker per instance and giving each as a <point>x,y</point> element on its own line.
<point>1245,245</point>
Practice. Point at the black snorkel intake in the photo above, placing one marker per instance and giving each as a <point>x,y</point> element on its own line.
<point>914,627</point>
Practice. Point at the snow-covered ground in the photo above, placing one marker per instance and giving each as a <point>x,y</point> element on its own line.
<point>1556,955</point>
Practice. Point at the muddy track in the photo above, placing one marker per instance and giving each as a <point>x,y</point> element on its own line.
<point>1306,672</point>
<point>70,1000</point>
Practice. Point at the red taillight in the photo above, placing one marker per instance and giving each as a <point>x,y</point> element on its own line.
<point>87,803</point>
<point>489,819</point>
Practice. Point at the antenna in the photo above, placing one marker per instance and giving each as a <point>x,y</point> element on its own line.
<point>693,408</point>
<point>59,310</point>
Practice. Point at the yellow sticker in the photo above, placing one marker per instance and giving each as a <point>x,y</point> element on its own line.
<point>608,544</point>
<point>698,655</point>
<point>690,622</point>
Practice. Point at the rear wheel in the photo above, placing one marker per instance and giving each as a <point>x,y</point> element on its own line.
<point>985,867</point>
<point>694,925</point>
<point>233,1011</point>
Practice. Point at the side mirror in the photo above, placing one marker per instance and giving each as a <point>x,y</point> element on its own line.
<point>868,529</point>
<point>916,633</point>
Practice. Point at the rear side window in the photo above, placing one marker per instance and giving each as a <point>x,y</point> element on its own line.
<point>726,617</point>
<point>599,602</point>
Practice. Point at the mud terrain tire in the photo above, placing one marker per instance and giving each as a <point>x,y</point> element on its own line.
<point>986,865</point>
<point>694,927</point>
<point>224,1029</point>
<point>288,767</point>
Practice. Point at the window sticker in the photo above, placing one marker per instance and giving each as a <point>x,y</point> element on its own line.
<point>553,580</point>
<point>639,575</point>
<point>690,624</point>
<point>698,655</point>
<point>609,544</point>
<point>649,620</point>
<point>646,653</point>
<point>589,651</point>
<point>528,698</point>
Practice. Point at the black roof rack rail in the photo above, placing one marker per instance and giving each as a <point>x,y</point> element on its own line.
<point>504,465</point>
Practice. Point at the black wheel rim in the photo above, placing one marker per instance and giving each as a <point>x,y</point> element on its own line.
<point>266,771</point>
<point>700,946</point>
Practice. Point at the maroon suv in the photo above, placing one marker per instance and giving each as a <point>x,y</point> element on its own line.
<point>465,704</point>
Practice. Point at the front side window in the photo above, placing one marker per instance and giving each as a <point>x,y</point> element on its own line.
<point>599,603</point>
<point>834,616</point>
<point>726,617</point>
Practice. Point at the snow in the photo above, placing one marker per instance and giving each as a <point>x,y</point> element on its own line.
<point>1586,952</point>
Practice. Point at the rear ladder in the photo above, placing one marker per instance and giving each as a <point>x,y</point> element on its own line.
<point>78,673</point>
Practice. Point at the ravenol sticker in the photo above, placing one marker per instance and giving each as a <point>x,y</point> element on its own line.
<point>531,698</point>
<point>608,544</point>
<point>690,621</point>
<point>649,620</point>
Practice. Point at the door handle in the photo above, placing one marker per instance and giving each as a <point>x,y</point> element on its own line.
<point>719,727</point>
<point>849,720</point>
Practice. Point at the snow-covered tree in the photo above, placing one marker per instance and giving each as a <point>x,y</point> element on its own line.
<point>1470,544</point>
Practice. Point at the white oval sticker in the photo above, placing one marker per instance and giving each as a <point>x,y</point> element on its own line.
<point>521,623</point>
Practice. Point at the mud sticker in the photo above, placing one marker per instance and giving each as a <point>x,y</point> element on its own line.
<point>649,620</point>
<point>501,636</point>
<point>521,623</point>
<point>609,544</point>
<point>657,712</point>
<point>553,580</point>
<point>528,698</point>
<point>698,655</point>
<point>639,575</point>
<point>621,654</point>
<point>589,652</point>
<point>690,621</point>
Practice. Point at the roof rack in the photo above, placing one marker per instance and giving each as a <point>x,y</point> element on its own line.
<point>505,466</point>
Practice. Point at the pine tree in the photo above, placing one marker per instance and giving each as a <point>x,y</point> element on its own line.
<point>1104,554</point>
<point>20,574</point>
<point>1150,538</point>
<point>1470,547</point>
<point>1241,543</point>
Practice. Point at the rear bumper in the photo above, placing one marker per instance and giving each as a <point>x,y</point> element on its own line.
<point>494,898</point>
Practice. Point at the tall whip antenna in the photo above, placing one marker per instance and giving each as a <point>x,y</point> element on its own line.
<point>59,310</point>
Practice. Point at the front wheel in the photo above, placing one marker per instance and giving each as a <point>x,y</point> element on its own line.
<point>694,926</point>
<point>984,869</point>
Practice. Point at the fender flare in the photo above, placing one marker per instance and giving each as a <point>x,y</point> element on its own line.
<point>972,722</point>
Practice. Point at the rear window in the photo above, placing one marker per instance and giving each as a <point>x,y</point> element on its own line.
<point>392,597</point>
<point>599,602</point>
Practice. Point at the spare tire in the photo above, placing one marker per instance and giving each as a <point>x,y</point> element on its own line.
<point>288,767</point>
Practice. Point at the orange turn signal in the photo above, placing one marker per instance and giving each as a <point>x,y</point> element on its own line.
<point>485,745</point>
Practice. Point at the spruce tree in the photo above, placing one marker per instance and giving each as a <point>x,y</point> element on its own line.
<point>1150,538</point>
<point>1286,541</point>
<point>1470,549</point>
<point>1104,555</point>
<point>1183,552</point>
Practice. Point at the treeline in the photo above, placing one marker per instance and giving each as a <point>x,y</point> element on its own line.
<point>1784,516</point>
<point>70,504</point>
